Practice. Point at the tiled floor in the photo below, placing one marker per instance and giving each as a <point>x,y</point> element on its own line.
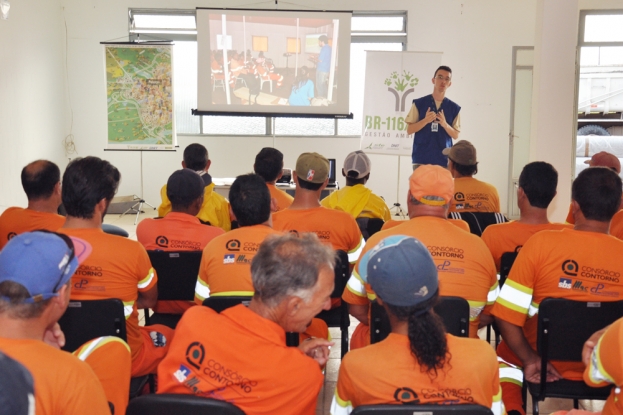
<point>326,394</point>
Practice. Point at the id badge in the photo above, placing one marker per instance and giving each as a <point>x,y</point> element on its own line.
<point>434,127</point>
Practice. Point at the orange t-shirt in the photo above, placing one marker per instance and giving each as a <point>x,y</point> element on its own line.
<point>472,195</point>
<point>175,232</point>
<point>226,262</point>
<point>387,373</point>
<point>457,222</point>
<point>64,385</point>
<point>463,261</point>
<point>239,357</point>
<point>576,265</point>
<point>605,367</point>
<point>331,226</point>
<point>117,268</point>
<point>16,220</point>
<point>616,225</point>
<point>510,237</point>
<point>283,199</point>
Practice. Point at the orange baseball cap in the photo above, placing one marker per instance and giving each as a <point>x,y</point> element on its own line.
<point>605,159</point>
<point>431,180</point>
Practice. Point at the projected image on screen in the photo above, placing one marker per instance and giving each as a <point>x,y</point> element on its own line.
<point>279,61</point>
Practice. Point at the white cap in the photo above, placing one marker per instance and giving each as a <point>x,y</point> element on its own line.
<point>357,161</point>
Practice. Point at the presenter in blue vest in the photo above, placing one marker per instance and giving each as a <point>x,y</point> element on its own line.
<point>323,67</point>
<point>434,121</point>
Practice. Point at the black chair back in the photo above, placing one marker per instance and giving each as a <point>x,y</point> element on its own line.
<point>478,221</point>
<point>369,226</point>
<point>177,274</point>
<point>422,410</point>
<point>86,320</point>
<point>506,263</point>
<point>454,312</point>
<point>220,303</point>
<point>166,404</point>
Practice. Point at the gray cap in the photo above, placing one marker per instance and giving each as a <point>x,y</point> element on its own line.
<point>357,161</point>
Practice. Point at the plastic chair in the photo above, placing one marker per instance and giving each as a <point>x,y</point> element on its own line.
<point>177,278</point>
<point>454,312</point>
<point>421,410</point>
<point>339,317</point>
<point>478,221</point>
<point>563,327</point>
<point>167,404</point>
<point>369,226</point>
<point>506,263</point>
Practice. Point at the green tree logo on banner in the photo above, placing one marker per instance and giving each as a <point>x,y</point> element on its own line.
<point>399,89</point>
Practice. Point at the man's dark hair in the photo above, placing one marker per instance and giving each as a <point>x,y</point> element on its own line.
<point>250,200</point>
<point>184,187</point>
<point>443,68</point>
<point>86,181</point>
<point>350,178</point>
<point>196,157</point>
<point>39,179</point>
<point>269,163</point>
<point>324,39</point>
<point>538,181</point>
<point>304,184</point>
<point>464,170</point>
<point>598,192</point>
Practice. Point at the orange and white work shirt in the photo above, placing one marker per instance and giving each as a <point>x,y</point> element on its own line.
<point>460,223</point>
<point>339,229</point>
<point>605,367</point>
<point>464,265</point>
<point>472,195</point>
<point>283,199</point>
<point>242,358</point>
<point>510,236</point>
<point>117,268</point>
<point>388,373</point>
<point>576,265</point>
<point>226,262</point>
<point>16,220</point>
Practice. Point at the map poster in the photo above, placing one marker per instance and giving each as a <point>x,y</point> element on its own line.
<point>139,93</point>
<point>393,80</point>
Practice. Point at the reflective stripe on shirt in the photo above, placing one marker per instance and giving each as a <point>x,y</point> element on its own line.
<point>147,280</point>
<point>515,296</point>
<point>353,255</point>
<point>202,291</point>
<point>339,406</point>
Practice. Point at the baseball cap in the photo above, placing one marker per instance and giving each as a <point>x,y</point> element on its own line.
<point>605,159</point>
<point>42,262</point>
<point>400,270</point>
<point>312,167</point>
<point>431,180</point>
<point>357,161</point>
<point>184,185</point>
<point>463,152</point>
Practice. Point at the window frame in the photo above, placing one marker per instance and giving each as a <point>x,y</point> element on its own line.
<point>188,35</point>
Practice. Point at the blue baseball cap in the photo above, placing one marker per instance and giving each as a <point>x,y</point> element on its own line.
<point>400,270</point>
<point>42,262</point>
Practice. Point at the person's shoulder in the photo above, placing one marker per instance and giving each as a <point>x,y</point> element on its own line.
<point>13,210</point>
<point>465,346</point>
<point>420,99</point>
<point>195,314</point>
<point>500,228</point>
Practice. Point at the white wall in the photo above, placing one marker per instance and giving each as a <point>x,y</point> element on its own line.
<point>33,117</point>
<point>476,38</point>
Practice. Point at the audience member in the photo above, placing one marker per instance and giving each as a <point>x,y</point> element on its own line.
<point>269,166</point>
<point>307,215</point>
<point>601,159</point>
<point>179,230</point>
<point>41,181</point>
<point>470,194</point>
<point>240,355</point>
<point>215,209</point>
<point>577,264</point>
<point>17,389</point>
<point>537,188</point>
<point>465,266</point>
<point>118,267</point>
<point>356,199</point>
<point>418,363</point>
<point>35,282</point>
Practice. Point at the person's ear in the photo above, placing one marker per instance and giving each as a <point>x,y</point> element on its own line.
<point>231,214</point>
<point>293,305</point>
<point>208,164</point>
<point>183,164</point>
<point>343,173</point>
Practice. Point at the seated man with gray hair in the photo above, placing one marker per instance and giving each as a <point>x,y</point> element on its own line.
<point>240,355</point>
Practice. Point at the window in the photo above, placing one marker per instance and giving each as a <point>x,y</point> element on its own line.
<point>370,31</point>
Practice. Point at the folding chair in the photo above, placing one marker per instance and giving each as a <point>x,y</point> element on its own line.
<point>422,410</point>
<point>454,312</point>
<point>478,221</point>
<point>166,404</point>
<point>563,327</point>
<point>506,263</point>
<point>339,317</point>
<point>177,278</point>
<point>86,320</point>
<point>369,226</point>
